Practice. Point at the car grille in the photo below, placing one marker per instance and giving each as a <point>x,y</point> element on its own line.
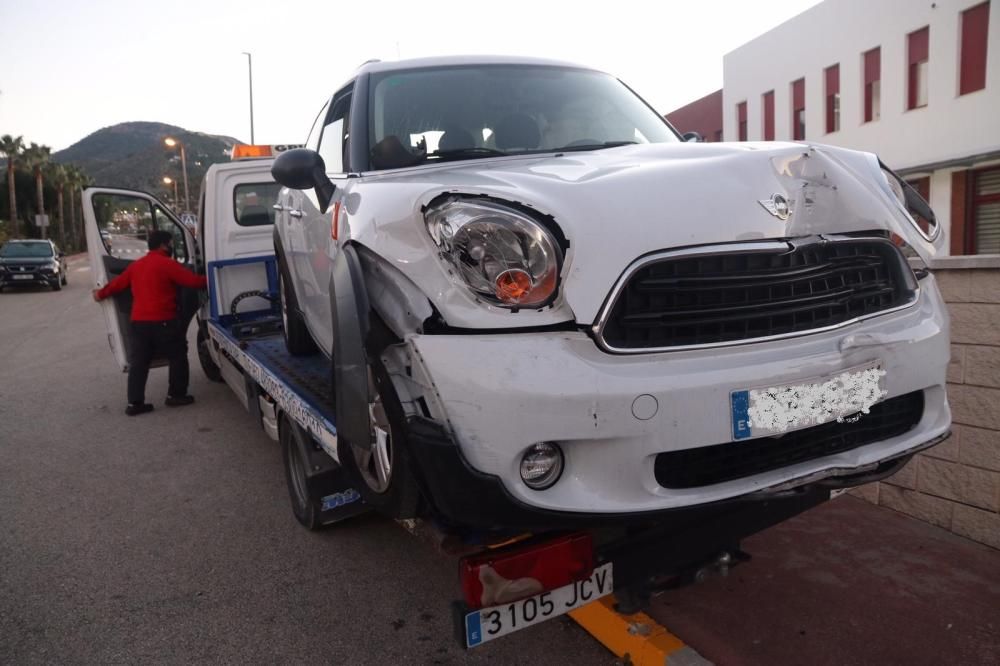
<point>708,465</point>
<point>729,296</point>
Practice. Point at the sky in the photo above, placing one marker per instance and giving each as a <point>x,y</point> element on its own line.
<point>69,68</point>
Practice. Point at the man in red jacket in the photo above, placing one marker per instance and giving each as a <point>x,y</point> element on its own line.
<point>156,329</point>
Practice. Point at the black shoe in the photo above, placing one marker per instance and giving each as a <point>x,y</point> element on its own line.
<point>178,401</point>
<point>136,408</point>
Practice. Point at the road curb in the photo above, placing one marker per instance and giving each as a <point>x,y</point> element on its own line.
<point>636,638</point>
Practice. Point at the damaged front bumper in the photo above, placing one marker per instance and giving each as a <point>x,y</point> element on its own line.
<point>486,398</point>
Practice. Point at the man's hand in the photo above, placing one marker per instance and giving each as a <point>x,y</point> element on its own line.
<point>95,293</point>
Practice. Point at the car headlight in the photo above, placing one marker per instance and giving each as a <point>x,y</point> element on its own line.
<point>504,256</point>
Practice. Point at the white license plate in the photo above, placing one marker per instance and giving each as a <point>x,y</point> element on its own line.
<point>24,277</point>
<point>486,624</point>
<point>774,409</point>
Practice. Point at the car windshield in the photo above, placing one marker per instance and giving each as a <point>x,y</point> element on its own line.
<point>467,112</point>
<point>39,249</point>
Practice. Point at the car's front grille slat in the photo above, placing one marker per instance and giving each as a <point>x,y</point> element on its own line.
<point>709,465</point>
<point>732,296</point>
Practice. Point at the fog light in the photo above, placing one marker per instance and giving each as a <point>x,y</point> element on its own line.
<point>541,465</point>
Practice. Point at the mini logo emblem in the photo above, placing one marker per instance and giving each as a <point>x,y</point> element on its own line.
<point>777,205</point>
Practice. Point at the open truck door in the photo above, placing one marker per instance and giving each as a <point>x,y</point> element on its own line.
<point>118,223</point>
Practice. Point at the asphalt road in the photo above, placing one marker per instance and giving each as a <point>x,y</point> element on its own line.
<point>168,537</point>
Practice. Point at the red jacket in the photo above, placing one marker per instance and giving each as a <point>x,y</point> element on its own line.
<point>154,280</point>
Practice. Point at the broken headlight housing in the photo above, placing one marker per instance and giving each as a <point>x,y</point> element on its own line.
<point>505,257</point>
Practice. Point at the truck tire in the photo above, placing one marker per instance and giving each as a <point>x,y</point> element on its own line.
<point>208,365</point>
<point>298,341</point>
<point>383,472</point>
<point>305,505</point>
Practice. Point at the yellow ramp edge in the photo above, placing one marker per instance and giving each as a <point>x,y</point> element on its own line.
<point>637,638</point>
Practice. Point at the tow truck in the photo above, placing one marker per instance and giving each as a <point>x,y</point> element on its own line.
<point>508,580</point>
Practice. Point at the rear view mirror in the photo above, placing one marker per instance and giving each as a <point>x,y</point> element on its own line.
<point>302,169</point>
<point>692,137</point>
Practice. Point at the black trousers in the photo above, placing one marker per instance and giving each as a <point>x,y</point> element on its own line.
<point>149,340</point>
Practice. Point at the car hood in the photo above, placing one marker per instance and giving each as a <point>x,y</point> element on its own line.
<point>617,204</point>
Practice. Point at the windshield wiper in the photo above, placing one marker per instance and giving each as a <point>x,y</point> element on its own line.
<point>463,153</point>
<point>593,146</point>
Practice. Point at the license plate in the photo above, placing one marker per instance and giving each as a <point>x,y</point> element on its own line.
<point>487,624</point>
<point>24,277</point>
<point>774,409</point>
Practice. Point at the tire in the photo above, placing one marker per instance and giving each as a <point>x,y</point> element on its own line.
<point>298,341</point>
<point>305,506</point>
<point>208,365</point>
<point>57,285</point>
<point>390,487</point>
<point>65,280</point>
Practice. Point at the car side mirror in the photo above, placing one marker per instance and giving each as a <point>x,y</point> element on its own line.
<point>62,254</point>
<point>692,137</point>
<point>301,169</point>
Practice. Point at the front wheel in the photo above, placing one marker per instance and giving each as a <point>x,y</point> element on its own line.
<point>383,467</point>
<point>208,366</point>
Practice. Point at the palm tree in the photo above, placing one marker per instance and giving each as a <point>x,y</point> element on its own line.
<point>35,157</point>
<point>77,180</point>
<point>12,146</point>
<point>57,175</point>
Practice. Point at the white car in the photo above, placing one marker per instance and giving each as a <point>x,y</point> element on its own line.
<point>543,307</point>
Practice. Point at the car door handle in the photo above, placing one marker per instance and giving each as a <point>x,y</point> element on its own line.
<point>294,213</point>
<point>278,207</point>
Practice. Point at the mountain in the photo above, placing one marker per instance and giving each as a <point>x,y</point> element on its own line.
<point>132,155</point>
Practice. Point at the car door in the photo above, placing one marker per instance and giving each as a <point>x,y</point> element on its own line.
<point>117,224</point>
<point>315,223</point>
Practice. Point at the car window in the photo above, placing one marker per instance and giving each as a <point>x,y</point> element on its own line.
<point>27,249</point>
<point>164,223</point>
<point>124,223</point>
<point>312,141</point>
<point>334,138</point>
<point>478,111</point>
<point>252,203</point>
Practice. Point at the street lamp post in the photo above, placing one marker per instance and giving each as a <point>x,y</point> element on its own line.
<point>250,72</point>
<point>167,180</point>
<point>171,142</point>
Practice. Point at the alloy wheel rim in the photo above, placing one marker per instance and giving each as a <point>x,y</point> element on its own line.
<point>375,462</point>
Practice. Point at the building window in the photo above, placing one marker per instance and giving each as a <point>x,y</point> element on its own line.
<point>873,84</point>
<point>741,121</point>
<point>917,75</point>
<point>799,110</point>
<point>986,212</point>
<point>767,105</point>
<point>975,26</point>
<point>832,76</point>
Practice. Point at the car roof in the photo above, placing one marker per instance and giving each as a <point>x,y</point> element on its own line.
<point>373,66</point>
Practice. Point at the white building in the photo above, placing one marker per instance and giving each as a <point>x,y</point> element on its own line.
<point>916,82</point>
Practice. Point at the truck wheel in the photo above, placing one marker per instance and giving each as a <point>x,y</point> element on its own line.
<point>297,338</point>
<point>305,506</point>
<point>208,365</point>
<point>383,470</point>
